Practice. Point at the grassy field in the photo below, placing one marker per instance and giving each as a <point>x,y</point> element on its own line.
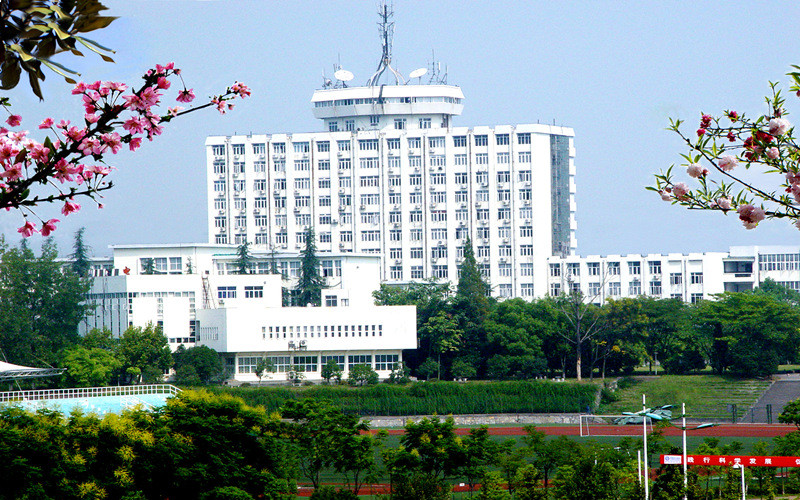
<point>706,396</point>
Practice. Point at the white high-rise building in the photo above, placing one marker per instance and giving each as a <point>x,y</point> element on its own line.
<point>391,175</point>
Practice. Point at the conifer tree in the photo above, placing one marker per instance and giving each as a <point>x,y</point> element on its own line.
<point>310,283</point>
<point>470,306</point>
<point>80,255</point>
<point>244,260</point>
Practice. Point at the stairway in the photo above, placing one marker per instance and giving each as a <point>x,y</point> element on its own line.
<point>785,389</point>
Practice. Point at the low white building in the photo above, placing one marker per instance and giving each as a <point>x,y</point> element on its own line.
<point>689,277</point>
<point>194,295</point>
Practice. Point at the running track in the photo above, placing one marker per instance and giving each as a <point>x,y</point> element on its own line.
<point>724,430</point>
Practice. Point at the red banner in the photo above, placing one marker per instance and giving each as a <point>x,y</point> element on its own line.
<point>729,460</point>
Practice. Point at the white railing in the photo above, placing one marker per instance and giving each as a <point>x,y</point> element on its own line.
<point>88,392</point>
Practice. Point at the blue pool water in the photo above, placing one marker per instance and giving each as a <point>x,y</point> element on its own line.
<point>99,405</point>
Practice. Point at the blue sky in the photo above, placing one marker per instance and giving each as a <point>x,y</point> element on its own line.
<point>613,71</point>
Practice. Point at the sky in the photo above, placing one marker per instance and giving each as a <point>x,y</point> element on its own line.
<point>613,71</point>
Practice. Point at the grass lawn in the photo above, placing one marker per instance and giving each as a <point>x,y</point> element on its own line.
<point>706,396</point>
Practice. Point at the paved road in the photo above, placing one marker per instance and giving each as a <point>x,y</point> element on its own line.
<point>724,430</point>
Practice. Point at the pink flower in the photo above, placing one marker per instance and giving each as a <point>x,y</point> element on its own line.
<point>80,88</point>
<point>113,141</point>
<point>680,190</point>
<point>163,83</point>
<point>14,120</point>
<point>40,153</point>
<point>27,230</point>
<point>49,226</point>
<point>731,136</point>
<point>792,177</point>
<point>135,143</point>
<point>665,195</point>
<point>174,111</point>
<point>772,153</point>
<point>700,132</point>
<point>696,171</point>
<point>241,89</point>
<point>185,95</point>
<point>705,121</point>
<point>70,207</point>
<point>46,123</point>
<point>91,118</point>
<point>797,222</point>
<point>134,125</point>
<point>220,104</point>
<point>723,203</point>
<point>727,163</point>
<point>733,115</point>
<point>778,126</point>
<point>750,215</point>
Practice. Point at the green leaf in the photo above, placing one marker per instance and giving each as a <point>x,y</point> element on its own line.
<point>10,73</point>
<point>86,25</point>
<point>33,79</point>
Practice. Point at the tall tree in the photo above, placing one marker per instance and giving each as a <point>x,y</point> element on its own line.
<point>244,260</point>
<point>143,351</point>
<point>584,320</point>
<point>80,254</point>
<point>310,283</point>
<point>40,305</point>
<point>470,305</point>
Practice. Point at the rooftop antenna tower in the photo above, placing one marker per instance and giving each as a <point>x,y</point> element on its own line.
<point>386,29</point>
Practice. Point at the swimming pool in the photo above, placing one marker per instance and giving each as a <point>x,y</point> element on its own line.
<point>98,400</point>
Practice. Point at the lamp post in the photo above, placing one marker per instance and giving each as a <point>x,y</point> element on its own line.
<point>644,438</point>
<point>740,466</point>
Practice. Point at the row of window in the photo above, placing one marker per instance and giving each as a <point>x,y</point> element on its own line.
<point>321,331</point>
<point>614,289</point>
<point>613,269</point>
<point>779,262</point>
<point>250,292</point>
<point>312,363</point>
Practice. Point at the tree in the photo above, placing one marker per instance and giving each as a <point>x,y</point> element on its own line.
<point>429,447</point>
<point>428,368</point>
<point>585,320</point>
<point>471,305</point>
<point>586,479</point>
<point>362,375</point>
<point>36,30</point>
<point>264,366</point>
<point>204,360</point>
<point>331,371</point>
<point>148,266</point>
<point>142,351</point>
<point>779,292</point>
<point>310,283</point>
<point>444,336</point>
<point>462,370</point>
<point>725,141</point>
<point>89,367</point>
<point>400,374</point>
<point>80,255</point>
<point>492,487</point>
<point>514,331</point>
<point>295,375</point>
<point>526,484</point>
<point>244,260</point>
<point>40,305</point>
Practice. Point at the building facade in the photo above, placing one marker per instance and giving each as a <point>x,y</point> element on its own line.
<point>194,294</point>
<point>689,277</point>
<point>392,176</point>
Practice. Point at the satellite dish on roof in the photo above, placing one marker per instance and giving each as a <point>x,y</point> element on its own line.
<point>418,73</point>
<point>343,75</point>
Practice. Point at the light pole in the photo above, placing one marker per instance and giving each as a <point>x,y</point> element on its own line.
<point>684,459</point>
<point>740,466</point>
<point>644,438</point>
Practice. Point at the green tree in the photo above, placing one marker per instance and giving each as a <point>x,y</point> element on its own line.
<point>779,292</point>
<point>36,30</point>
<point>400,374</point>
<point>479,453</point>
<point>583,319</point>
<point>492,487</point>
<point>526,484</point>
<point>295,374</point>
<point>102,339</point>
<point>462,370</point>
<point>443,334</point>
<point>264,366</point>
<point>514,331</point>
<point>362,374</point>
<point>331,371</point>
<point>428,447</point>
<point>80,255</point>
<point>428,368</point>
<point>244,260</point>
<point>470,305</point>
<point>40,305</point>
<point>148,266</point>
<point>748,334</point>
<point>143,350</point>
<point>89,367</point>
<point>310,283</point>
<point>205,361</point>
<point>586,479</point>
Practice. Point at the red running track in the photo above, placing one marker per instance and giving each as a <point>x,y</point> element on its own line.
<point>724,430</point>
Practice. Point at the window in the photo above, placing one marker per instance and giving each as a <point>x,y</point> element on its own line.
<point>415,234</point>
<point>555,270</point>
<point>415,179</point>
<point>612,268</point>
<point>374,120</point>
<point>502,159</point>
<point>573,269</point>
<point>393,143</point>
<point>779,262</point>
<point>482,159</point>
<point>333,126</point>
<point>504,270</point>
<point>460,141</point>
<point>655,287</point>
<point>697,278</point>
<point>525,157</point>
<point>526,290</point>
<point>281,237</point>
<point>324,237</point>
<point>414,143</point>
<point>302,201</point>
<point>339,360</point>
<point>253,292</point>
<point>481,140</point>
<point>437,161</point>
<point>696,297</point>
<point>220,222</point>
<point>526,231</point>
<point>635,268</point>
<point>675,278</point>
<point>594,290</point>
<point>358,359</point>
<point>370,236</point>
<point>281,362</point>
<point>305,363</point>
<point>247,364</point>
<point>439,271</point>
<point>436,142</point>
<point>324,201</point>
<point>555,289</point>
<point>346,236</point>
<point>415,161</point>
<point>238,149</point>
<point>399,124</point>
<point>324,183</point>
<point>461,197</point>
<point>219,166</point>
<point>323,146</point>
<point>279,166</point>
<point>259,166</point>
<point>635,288</point>
<point>301,147</point>
<point>526,269</point>
<point>504,176</point>
<point>394,198</point>
<point>460,160</point>
<point>370,180</point>
<point>524,175</point>
<point>502,139</point>
<point>238,167</point>
<point>655,266</point>
<point>424,123</point>
<point>226,292</point>
<point>343,145</point>
<point>593,268</point>
<point>370,199</point>
<point>439,252</point>
<point>370,218</point>
<point>503,232</point>
<point>240,222</point>
<point>504,250</point>
<point>438,216</point>
<point>415,216</point>
<point>331,301</point>
<point>302,183</point>
<point>524,138</point>
<point>438,179</point>
<point>368,144</point>
<point>615,289</point>
<point>218,150</point>
<point>386,362</point>
<point>416,253</point>
<point>219,186</point>
<point>504,195</point>
<point>396,272</point>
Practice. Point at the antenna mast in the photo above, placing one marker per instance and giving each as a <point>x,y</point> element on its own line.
<point>386,29</point>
